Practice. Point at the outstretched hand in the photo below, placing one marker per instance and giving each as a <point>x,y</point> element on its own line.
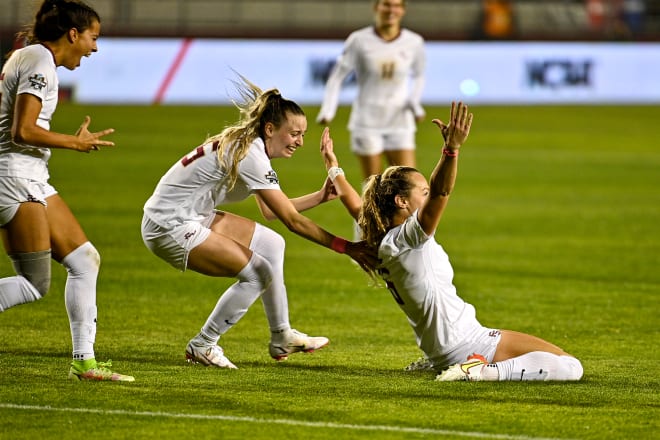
<point>458,129</point>
<point>87,141</point>
<point>365,255</point>
<point>329,192</point>
<point>327,150</point>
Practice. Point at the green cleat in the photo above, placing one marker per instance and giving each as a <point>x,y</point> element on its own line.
<point>92,370</point>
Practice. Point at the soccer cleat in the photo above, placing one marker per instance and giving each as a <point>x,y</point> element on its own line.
<point>469,370</point>
<point>211,355</point>
<point>92,370</point>
<point>421,364</point>
<point>294,342</point>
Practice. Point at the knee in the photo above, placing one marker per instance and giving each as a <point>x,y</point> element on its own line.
<point>83,259</point>
<point>34,267</point>
<point>258,270</point>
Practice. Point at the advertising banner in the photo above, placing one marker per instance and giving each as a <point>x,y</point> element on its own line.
<point>201,71</point>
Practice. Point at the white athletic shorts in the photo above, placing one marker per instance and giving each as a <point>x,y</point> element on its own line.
<point>17,190</point>
<point>370,143</point>
<point>482,341</point>
<point>174,245</point>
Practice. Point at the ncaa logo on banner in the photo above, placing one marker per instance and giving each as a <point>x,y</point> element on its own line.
<point>557,74</point>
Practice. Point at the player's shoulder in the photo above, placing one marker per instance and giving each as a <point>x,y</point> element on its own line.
<point>33,55</point>
<point>411,35</point>
<point>33,50</point>
<point>362,34</point>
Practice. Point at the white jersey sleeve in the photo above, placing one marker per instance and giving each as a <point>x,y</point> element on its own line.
<point>418,77</point>
<point>30,70</point>
<point>195,185</point>
<point>345,64</point>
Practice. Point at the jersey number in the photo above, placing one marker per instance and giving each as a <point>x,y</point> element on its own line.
<point>387,70</point>
<point>196,154</point>
<point>391,287</point>
<point>193,156</point>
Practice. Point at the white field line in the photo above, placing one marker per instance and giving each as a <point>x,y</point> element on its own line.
<point>290,422</point>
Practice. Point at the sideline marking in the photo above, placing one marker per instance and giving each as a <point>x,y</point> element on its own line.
<point>169,76</point>
<point>291,422</point>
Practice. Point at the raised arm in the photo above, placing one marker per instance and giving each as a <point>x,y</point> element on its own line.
<point>417,85</point>
<point>347,194</point>
<point>443,177</point>
<point>345,64</point>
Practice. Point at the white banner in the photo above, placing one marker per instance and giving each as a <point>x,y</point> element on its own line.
<point>201,71</point>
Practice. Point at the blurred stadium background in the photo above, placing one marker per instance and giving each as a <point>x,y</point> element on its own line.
<point>501,51</point>
<point>434,19</point>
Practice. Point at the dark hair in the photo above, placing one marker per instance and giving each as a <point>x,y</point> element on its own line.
<point>56,17</point>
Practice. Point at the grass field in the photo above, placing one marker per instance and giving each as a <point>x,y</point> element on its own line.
<point>553,229</point>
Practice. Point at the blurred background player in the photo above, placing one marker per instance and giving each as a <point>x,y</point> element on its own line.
<point>182,227</point>
<point>37,224</point>
<point>399,213</point>
<point>389,63</point>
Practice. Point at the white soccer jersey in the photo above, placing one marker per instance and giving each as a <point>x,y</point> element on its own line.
<point>418,273</point>
<point>385,102</point>
<point>194,186</point>
<point>31,70</point>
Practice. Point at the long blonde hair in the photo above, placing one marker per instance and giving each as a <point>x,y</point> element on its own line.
<point>378,202</point>
<point>256,110</point>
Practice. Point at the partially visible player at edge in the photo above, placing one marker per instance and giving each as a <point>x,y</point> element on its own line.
<point>182,226</point>
<point>398,214</point>
<point>36,222</point>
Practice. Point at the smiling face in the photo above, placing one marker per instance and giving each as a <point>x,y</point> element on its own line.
<point>418,193</point>
<point>389,13</point>
<point>283,141</point>
<point>81,44</point>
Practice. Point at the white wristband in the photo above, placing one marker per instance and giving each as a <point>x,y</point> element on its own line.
<point>333,172</point>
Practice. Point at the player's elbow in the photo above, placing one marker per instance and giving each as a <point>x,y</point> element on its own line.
<point>269,216</point>
<point>20,135</point>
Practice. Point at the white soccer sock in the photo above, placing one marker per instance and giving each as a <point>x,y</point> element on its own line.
<point>270,245</point>
<point>253,279</point>
<point>15,291</point>
<point>82,266</point>
<point>539,365</point>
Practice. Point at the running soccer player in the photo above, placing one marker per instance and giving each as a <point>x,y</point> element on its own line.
<point>36,223</point>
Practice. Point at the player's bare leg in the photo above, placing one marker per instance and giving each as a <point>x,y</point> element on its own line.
<point>370,165</point>
<point>513,344</point>
<point>401,157</point>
